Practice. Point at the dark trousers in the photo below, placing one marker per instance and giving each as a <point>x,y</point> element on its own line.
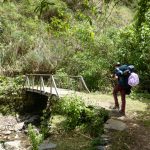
<point>120,89</point>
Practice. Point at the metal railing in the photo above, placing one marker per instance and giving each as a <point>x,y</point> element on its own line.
<point>41,81</point>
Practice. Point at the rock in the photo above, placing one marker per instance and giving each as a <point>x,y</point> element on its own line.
<point>18,118</point>
<point>13,145</point>
<point>26,131</point>
<point>2,127</point>
<point>135,125</point>
<point>19,126</point>
<point>7,123</point>
<point>11,128</point>
<point>123,118</point>
<point>47,146</point>
<point>16,137</point>
<point>101,148</point>
<point>115,125</point>
<point>104,141</point>
<point>29,148</point>
<point>106,130</point>
<point>104,136</point>
<point>6,132</point>
<point>32,119</point>
<point>1,146</point>
<point>8,120</point>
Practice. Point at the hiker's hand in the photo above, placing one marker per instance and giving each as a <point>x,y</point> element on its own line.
<point>115,77</point>
<point>112,76</point>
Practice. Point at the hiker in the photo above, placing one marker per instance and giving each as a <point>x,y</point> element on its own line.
<point>121,74</point>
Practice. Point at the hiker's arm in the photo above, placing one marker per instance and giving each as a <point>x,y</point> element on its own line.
<point>118,72</point>
<point>114,76</point>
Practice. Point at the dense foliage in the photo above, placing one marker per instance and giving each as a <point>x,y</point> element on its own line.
<point>77,37</point>
<point>80,115</point>
<point>11,97</point>
<point>134,41</point>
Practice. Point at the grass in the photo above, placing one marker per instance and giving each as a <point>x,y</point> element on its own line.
<point>146,123</point>
<point>121,140</point>
<point>124,140</point>
<point>72,140</point>
<point>133,103</point>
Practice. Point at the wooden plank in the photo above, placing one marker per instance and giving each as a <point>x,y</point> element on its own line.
<point>60,92</point>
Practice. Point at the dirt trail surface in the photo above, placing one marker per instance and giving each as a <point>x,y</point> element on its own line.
<point>137,134</point>
<point>133,107</point>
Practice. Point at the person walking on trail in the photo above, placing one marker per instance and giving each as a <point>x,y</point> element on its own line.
<point>121,74</point>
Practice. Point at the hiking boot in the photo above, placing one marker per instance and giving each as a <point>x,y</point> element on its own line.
<point>114,107</point>
<point>122,113</point>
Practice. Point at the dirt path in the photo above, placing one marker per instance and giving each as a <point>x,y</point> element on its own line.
<point>136,137</point>
<point>137,119</point>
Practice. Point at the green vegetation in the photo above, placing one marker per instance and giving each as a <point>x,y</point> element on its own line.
<point>77,37</point>
<point>35,138</point>
<point>122,140</point>
<point>134,42</point>
<point>76,118</point>
<point>89,118</point>
<point>11,96</point>
<point>45,123</point>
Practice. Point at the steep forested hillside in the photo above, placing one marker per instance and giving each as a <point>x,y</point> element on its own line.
<point>75,37</point>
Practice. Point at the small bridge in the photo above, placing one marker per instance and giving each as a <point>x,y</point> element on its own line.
<point>47,84</point>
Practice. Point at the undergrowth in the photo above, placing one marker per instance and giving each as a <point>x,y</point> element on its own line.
<point>91,120</point>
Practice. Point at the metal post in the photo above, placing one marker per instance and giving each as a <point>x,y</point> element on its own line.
<point>53,80</point>
<point>42,84</point>
<point>84,84</point>
<point>28,82</point>
<point>33,83</point>
<point>50,84</point>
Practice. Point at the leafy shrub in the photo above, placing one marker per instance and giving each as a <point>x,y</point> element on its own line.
<point>78,114</point>
<point>95,125</point>
<point>39,60</point>
<point>11,86</point>
<point>133,44</point>
<point>78,35</point>
<point>45,123</point>
<point>11,93</point>
<point>72,108</point>
<point>58,25</point>
<point>48,10</point>
<point>35,138</point>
